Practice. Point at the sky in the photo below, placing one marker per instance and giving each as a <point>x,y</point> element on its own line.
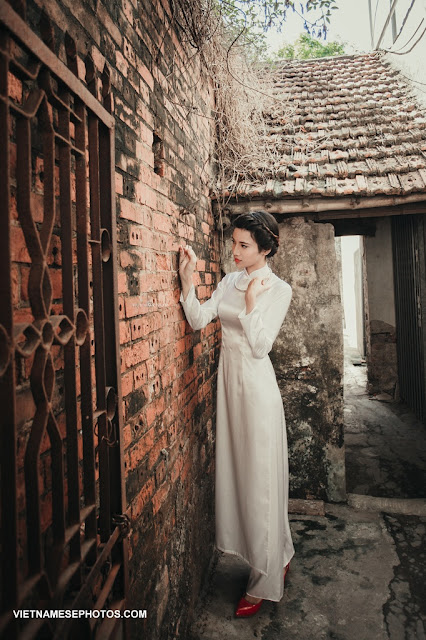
<point>349,24</point>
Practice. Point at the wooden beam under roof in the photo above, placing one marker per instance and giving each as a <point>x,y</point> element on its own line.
<point>331,208</point>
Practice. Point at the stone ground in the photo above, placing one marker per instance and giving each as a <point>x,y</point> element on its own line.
<point>385,443</point>
<point>356,574</point>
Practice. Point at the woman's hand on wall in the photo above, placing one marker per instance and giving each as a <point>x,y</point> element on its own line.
<point>187,264</point>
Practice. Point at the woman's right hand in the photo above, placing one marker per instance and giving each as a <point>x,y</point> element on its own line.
<point>187,263</point>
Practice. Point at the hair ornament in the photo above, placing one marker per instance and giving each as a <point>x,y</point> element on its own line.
<point>265,226</point>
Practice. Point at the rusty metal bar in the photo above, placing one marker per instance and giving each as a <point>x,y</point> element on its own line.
<point>69,311</point>
<point>41,369</point>
<point>405,237</point>
<point>29,40</point>
<point>59,549</point>
<point>108,627</point>
<point>58,508</point>
<point>98,307</point>
<point>113,372</point>
<point>9,559</point>
<point>86,405</point>
<point>84,596</point>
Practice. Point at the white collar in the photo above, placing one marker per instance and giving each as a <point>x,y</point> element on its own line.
<point>243,279</point>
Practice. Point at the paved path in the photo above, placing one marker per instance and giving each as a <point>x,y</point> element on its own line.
<point>356,575</point>
<point>385,443</point>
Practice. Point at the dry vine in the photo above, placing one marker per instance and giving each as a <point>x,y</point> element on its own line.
<point>244,99</point>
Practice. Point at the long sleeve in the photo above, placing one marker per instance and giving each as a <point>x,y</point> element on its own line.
<point>199,315</point>
<point>261,328</point>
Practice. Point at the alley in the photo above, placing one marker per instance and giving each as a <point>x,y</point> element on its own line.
<point>385,443</point>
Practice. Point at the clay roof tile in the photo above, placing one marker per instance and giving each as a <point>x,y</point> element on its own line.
<point>353,129</point>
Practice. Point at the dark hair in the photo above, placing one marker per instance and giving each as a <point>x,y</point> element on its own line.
<point>263,228</point>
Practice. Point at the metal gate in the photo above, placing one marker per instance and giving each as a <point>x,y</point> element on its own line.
<point>409,277</point>
<point>63,531</point>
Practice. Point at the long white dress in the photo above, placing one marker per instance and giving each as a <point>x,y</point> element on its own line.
<point>251,479</point>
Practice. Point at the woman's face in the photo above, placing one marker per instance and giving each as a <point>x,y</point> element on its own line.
<point>246,251</point>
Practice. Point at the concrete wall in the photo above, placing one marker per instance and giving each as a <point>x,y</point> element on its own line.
<point>359,298</point>
<point>308,358</point>
<point>352,292</point>
<point>381,357</point>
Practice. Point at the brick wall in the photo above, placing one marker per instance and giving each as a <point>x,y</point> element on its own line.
<point>163,140</point>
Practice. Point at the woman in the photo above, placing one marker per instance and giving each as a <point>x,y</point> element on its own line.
<point>251,481</point>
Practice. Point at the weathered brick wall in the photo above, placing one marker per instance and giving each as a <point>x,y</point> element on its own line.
<point>163,140</point>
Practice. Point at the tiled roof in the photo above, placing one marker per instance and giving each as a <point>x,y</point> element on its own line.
<point>354,130</point>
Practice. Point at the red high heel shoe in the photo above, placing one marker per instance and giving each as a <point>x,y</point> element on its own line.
<point>286,570</point>
<point>246,609</point>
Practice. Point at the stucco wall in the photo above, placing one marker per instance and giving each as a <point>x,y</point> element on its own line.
<point>381,357</point>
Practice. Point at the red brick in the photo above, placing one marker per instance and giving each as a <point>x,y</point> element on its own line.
<point>121,307</point>
<point>127,383</point>
<point>134,355</point>
<point>155,452</point>
<point>15,88</point>
<point>202,292</point>
<point>180,347</point>
<point>160,472</point>
<point>154,388</point>
<point>145,195</point>
<point>54,256</point>
<point>143,498</point>
<point>15,285</point>
<point>159,497</point>
<point>166,356</point>
<point>140,376</point>
<point>139,237</point>
<point>168,375</point>
<point>118,183</point>
<point>122,282</point>
<point>163,262</point>
<point>141,448</point>
<point>121,63</point>
<point>19,250</point>
<point>132,258</point>
<point>135,212</point>
<point>176,470</point>
<point>146,75</point>
<point>145,154</point>
<point>162,223</point>
<point>152,365</point>
<point>151,414</point>
<point>154,342</point>
<point>56,282</point>
<point>149,282</point>
<point>135,306</point>
<point>167,335</point>
<point>124,329</point>
<point>127,436</point>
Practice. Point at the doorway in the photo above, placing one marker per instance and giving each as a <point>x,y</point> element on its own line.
<point>385,441</point>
